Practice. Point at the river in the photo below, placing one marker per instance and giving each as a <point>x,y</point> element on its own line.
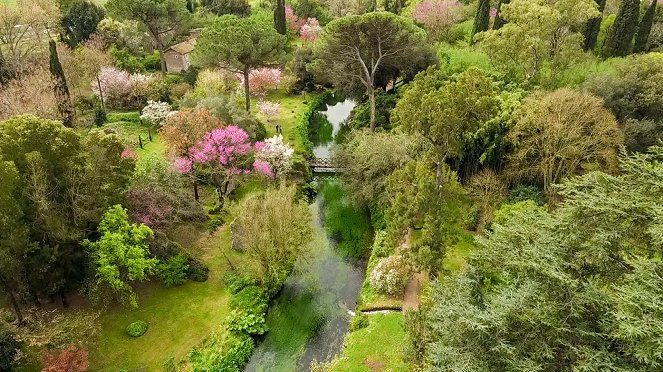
<point>310,317</point>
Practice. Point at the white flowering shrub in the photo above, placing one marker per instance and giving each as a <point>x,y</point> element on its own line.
<point>277,154</point>
<point>391,275</point>
<point>156,112</point>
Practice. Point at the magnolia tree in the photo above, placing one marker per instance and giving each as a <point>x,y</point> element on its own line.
<point>438,16</point>
<point>262,80</point>
<point>276,154</point>
<point>269,109</point>
<point>224,154</point>
<point>156,112</point>
<point>310,30</point>
<point>114,86</point>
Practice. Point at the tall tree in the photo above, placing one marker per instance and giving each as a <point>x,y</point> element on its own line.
<point>593,27</point>
<point>642,36</point>
<point>481,19</point>
<point>163,19</point>
<point>499,20</point>
<point>354,50</point>
<point>279,17</point>
<point>620,40</point>
<point>79,21</point>
<point>239,45</point>
<point>61,89</point>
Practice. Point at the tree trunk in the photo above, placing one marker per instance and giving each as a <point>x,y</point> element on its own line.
<point>247,93</point>
<point>13,302</point>
<point>162,60</point>
<point>371,101</point>
<point>196,196</point>
<point>101,94</point>
<point>63,298</point>
<point>499,21</point>
<point>279,17</point>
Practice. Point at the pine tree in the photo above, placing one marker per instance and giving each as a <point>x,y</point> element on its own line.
<point>279,17</point>
<point>642,37</point>
<point>499,21</point>
<point>482,18</point>
<point>61,91</point>
<point>620,40</point>
<point>593,27</point>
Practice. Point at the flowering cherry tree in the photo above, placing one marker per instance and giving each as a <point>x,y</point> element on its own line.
<point>269,109</point>
<point>276,154</point>
<point>262,80</point>
<point>310,30</point>
<point>438,16</point>
<point>156,112</point>
<point>114,85</point>
<point>293,22</point>
<point>224,154</point>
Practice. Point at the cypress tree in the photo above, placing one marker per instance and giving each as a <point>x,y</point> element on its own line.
<point>61,90</point>
<point>620,40</point>
<point>499,21</point>
<point>482,18</point>
<point>593,27</point>
<point>279,17</point>
<point>642,37</point>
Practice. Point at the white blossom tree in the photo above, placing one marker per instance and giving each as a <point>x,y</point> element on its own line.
<point>277,154</point>
<point>156,112</point>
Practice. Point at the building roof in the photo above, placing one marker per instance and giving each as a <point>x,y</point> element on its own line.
<point>184,47</point>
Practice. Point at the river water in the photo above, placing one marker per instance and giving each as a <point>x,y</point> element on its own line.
<point>310,317</point>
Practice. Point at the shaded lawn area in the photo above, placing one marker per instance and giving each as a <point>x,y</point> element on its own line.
<point>179,317</point>
<point>376,347</point>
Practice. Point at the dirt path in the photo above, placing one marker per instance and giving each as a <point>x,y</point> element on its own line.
<point>412,289</point>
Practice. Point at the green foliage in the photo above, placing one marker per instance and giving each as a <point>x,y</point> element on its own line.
<point>482,18</point>
<point>359,321</point>
<point>120,256</point>
<point>593,27</point>
<point>361,114</point>
<point>198,270</point>
<point>644,29</point>
<point>249,311</point>
<point>174,271</point>
<point>455,60</point>
<point>137,328</point>
<point>526,192</point>
<point>347,225</point>
<point>620,40</point>
<point>126,60</point>
<point>222,351</point>
<point>605,31</point>
<point>240,8</point>
<point>116,117</point>
<point>79,21</point>
<point>9,348</point>
<point>65,109</point>
<point>381,248</point>
<point>236,281</point>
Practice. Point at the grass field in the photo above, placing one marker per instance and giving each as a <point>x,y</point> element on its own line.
<point>376,347</point>
<point>292,107</point>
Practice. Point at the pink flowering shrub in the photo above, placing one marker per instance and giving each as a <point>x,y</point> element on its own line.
<point>269,109</point>
<point>118,87</point>
<point>262,80</point>
<point>149,207</point>
<point>311,30</point>
<point>129,153</point>
<point>438,16</point>
<point>293,22</point>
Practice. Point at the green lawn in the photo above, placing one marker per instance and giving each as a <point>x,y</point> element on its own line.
<point>376,347</point>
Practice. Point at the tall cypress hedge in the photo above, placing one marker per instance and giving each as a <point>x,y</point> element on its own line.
<point>482,18</point>
<point>593,27</point>
<point>642,37</point>
<point>620,41</point>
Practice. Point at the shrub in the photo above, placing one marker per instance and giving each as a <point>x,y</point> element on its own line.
<point>7,316</point>
<point>156,112</point>
<point>223,351</point>
<point>391,275</point>
<point>359,321</point>
<point>526,192</point>
<point>380,246</point>
<point>236,281</point>
<point>198,271</point>
<point>72,359</point>
<point>247,322</point>
<point>175,270</point>
<point>99,116</point>
<point>137,328</point>
<point>9,348</point>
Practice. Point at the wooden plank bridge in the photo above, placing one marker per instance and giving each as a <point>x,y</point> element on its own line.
<point>323,165</point>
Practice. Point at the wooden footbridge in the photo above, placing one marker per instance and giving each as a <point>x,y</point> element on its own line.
<point>323,165</point>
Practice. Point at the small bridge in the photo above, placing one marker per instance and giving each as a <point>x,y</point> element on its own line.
<point>323,165</point>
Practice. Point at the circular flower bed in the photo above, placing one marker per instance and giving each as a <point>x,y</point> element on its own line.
<point>137,328</point>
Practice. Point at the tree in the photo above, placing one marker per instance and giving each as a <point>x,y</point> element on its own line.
<point>240,8</point>
<point>453,110</point>
<point>274,228</point>
<point>620,40</point>
<point>279,17</point>
<point>277,154</point>
<point>499,21</point>
<point>481,19</point>
<point>185,128</point>
<point>542,294</point>
<point>120,256</point>
<point>163,19</point>
<point>642,35</point>
<point>539,36</point>
<point>239,45</point>
<point>79,21</point>
<point>29,94</point>
<point>354,50</point>
<point>561,134</point>
<point>438,17</point>
<point>61,90</point>
<point>593,27</point>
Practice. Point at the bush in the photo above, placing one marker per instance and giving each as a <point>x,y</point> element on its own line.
<point>7,316</point>
<point>380,246</point>
<point>198,271</point>
<point>137,328</point>
<point>391,275</point>
<point>223,351</point>
<point>99,116</point>
<point>526,192</point>
<point>175,270</point>
<point>9,348</point>
<point>116,117</point>
<point>247,322</point>
<point>359,321</point>
<point>235,281</point>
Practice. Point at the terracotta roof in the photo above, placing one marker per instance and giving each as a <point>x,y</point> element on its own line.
<point>184,47</point>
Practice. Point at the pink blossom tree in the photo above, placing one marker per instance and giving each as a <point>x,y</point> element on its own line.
<point>224,154</point>
<point>262,80</point>
<point>269,109</point>
<point>438,16</point>
<point>293,22</point>
<point>310,30</point>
